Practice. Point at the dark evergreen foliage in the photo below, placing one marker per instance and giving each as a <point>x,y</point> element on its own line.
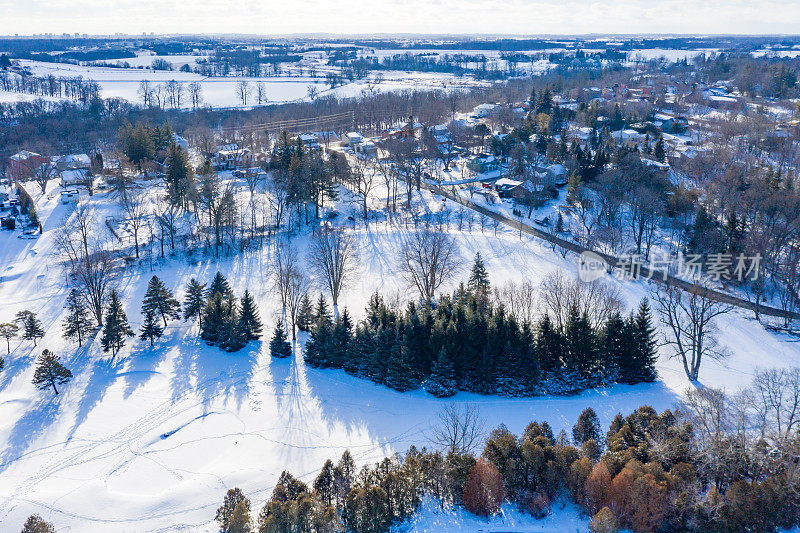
<point>466,343</point>
<point>115,325</point>
<point>50,372</point>
<point>279,346</point>
<point>78,322</point>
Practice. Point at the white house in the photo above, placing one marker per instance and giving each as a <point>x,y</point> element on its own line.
<point>74,177</point>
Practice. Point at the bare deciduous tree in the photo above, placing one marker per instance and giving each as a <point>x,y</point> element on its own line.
<point>428,258</point>
<point>333,257</point>
<point>458,428</point>
<point>559,293</point>
<point>689,317</point>
<point>134,209</point>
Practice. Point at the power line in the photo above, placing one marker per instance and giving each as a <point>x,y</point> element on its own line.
<point>343,117</point>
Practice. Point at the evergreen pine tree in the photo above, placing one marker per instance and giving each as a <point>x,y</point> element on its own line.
<point>115,326</point>
<point>214,317</point>
<point>219,285</point>
<point>580,347</point>
<point>279,346</point>
<point>249,321</point>
<point>399,374</point>
<point>478,282</point>
<point>321,312</point>
<point>8,331</point>
<point>319,344</point>
<point>442,381</point>
<point>614,347</point>
<point>643,368</point>
<point>32,326</point>
<point>230,336</point>
<point>195,300</point>
<point>658,151</point>
<point>549,345</point>
<point>305,315</point>
<point>50,372</point>
<point>160,301</point>
<point>341,341</point>
<point>77,323</point>
<point>151,327</point>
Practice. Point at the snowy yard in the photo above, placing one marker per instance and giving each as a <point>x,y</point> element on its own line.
<point>150,440</point>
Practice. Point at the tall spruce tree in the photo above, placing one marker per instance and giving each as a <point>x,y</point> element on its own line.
<point>78,322</point>
<point>219,285</point>
<point>321,312</point>
<point>249,321</point>
<point>478,283</point>
<point>151,327</point>
<point>115,325</point>
<point>305,315</point>
<point>195,300</point>
<point>214,315</point>
<point>279,346</point>
<point>31,326</point>
<point>50,372</point>
<point>399,374</point>
<point>643,367</point>
<point>442,380</point>
<point>160,301</point>
<point>580,347</point>
<point>614,346</point>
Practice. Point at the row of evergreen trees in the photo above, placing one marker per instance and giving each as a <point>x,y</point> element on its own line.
<point>225,321</point>
<point>466,343</point>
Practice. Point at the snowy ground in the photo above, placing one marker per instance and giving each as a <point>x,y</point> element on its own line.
<point>149,441</point>
<point>223,92</point>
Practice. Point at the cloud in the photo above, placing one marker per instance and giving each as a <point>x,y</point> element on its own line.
<point>399,16</point>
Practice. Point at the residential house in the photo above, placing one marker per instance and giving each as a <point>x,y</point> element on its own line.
<point>74,178</point>
<point>71,162</point>
<point>23,164</point>
<point>483,163</point>
<point>231,157</point>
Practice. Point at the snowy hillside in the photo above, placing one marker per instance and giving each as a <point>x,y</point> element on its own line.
<point>150,440</point>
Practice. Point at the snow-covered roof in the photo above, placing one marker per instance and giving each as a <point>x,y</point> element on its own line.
<point>23,155</point>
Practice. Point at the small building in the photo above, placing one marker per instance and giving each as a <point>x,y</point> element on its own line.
<point>231,157</point>
<point>71,162</point>
<point>367,149</point>
<point>352,139</point>
<point>483,163</point>
<point>70,197</point>
<point>74,178</point>
<point>483,110</point>
<point>23,164</point>
<point>504,186</point>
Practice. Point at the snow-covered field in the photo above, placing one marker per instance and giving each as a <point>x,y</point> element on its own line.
<point>223,92</point>
<point>150,440</point>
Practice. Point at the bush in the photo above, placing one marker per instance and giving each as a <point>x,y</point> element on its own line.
<point>603,522</point>
<point>483,491</point>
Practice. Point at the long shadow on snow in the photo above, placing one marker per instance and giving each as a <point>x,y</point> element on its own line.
<point>28,428</point>
<point>224,374</point>
<point>144,360</point>
<point>104,373</point>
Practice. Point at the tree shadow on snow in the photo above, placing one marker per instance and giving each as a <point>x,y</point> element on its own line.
<point>104,373</point>
<point>29,427</point>
<point>14,367</point>
<point>226,375</point>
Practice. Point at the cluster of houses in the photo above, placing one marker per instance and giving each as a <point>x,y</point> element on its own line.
<point>70,170</point>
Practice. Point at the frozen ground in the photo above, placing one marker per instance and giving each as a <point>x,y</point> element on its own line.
<point>150,440</point>
<point>223,92</point>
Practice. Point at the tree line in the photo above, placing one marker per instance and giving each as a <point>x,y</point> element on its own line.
<point>466,342</point>
<point>687,469</point>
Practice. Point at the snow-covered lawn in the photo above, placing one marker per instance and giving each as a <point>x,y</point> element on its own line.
<point>151,440</point>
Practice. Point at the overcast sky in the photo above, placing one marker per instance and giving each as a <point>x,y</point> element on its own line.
<point>400,16</point>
